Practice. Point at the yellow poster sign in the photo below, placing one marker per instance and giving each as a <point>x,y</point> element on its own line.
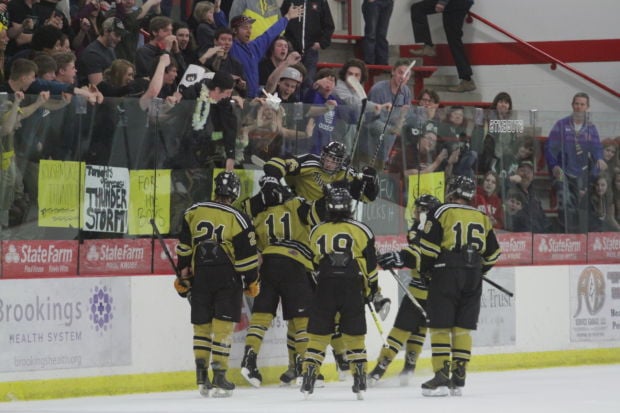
<point>149,198</point>
<point>60,194</point>
<point>433,183</point>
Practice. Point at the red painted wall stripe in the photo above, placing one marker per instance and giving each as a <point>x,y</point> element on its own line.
<point>512,53</point>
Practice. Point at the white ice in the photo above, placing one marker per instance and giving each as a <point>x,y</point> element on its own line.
<point>588,389</point>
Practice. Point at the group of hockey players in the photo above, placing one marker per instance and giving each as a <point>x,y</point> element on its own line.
<point>296,243</point>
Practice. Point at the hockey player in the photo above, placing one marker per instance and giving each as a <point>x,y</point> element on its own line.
<point>457,246</point>
<point>345,261</point>
<point>282,225</point>
<point>218,261</point>
<point>308,175</point>
<point>410,325</point>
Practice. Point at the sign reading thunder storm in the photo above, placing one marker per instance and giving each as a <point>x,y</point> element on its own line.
<point>106,199</point>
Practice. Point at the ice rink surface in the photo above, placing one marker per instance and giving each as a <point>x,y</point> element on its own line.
<point>587,389</point>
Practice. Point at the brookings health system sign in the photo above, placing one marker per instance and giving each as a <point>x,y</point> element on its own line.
<point>64,323</point>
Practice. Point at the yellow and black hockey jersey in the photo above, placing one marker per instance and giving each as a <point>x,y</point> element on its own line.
<point>411,258</point>
<point>284,229</point>
<point>347,236</point>
<point>453,227</point>
<point>306,176</point>
<point>232,230</point>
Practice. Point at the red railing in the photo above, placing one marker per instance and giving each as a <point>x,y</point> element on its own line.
<point>552,60</point>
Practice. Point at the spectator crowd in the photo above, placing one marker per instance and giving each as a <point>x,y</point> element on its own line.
<point>120,84</point>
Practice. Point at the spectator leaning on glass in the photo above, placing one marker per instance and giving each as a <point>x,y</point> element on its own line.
<point>574,154</point>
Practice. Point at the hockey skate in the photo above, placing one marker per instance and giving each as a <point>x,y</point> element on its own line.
<point>438,386</point>
<point>458,378</point>
<point>359,380</point>
<point>293,374</point>
<point>249,371</point>
<point>378,372</point>
<point>202,378</point>
<point>221,386</point>
<point>408,368</point>
<point>308,380</point>
<point>342,366</point>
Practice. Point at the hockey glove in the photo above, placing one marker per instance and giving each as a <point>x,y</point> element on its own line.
<point>382,305</point>
<point>253,289</point>
<point>183,286</point>
<point>370,182</point>
<point>271,191</point>
<point>390,260</point>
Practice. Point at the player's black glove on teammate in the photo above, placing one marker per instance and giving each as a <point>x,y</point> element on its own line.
<point>390,260</point>
<point>271,190</point>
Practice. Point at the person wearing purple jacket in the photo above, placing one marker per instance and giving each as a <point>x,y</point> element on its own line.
<point>574,154</point>
<point>250,52</point>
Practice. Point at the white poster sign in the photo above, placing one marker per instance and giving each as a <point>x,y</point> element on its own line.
<point>595,303</point>
<point>106,199</point>
<point>67,323</point>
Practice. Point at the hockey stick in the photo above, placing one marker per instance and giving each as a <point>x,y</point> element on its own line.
<point>387,121</point>
<point>165,248</point>
<point>499,287</point>
<point>377,322</point>
<point>361,93</point>
<point>415,302</point>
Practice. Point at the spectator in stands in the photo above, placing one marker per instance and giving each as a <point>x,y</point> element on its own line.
<point>377,15</point>
<point>265,136</point>
<point>209,18</point>
<point>250,52</point>
<point>120,81</point>
<point>22,22</point>
<point>46,66</point>
<point>521,182</point>
<point>133,18</point>
<point>4,41</point>
<point>599,206</point>
<point>291,60</point>
<point>610,154</point>
<point>309,34</point>
<point>276,57</point>
<point>352,67</point>
<point>421,153</point>
<point>488,201</point>
<point>87,25</point>
<point>187,44</point>
<point>162,41</point>
<point>517,218</point>
<point>453,13</point>
<point>327,112</point>
<point>99,55</point>
<point>453,134</point>
<point>574,154</point>
<point>424,117</point>
<point>393,91</point>
<point>288,84</point>
<point>616,193</point>
<point>495,146</point>
<point>218,58</point>
<point>264,13</point>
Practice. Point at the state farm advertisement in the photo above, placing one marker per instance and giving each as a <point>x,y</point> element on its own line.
<point>560,248</point>
<point>161,263</point>
<point>34,258</point>
<point>516,248</point>
<point>387,243</point>
<point>604,247</point>
<point>115,257</point>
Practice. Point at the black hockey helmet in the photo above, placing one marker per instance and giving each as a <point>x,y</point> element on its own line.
<point>461,186</point>
<point>338,201</point>
<point>333,157</point>
<point>427,203</point>
<point>227,184</point>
